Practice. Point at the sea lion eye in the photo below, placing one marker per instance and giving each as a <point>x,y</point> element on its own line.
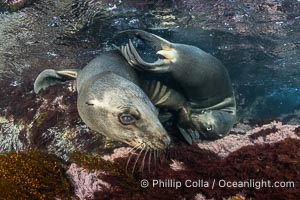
<point>126,118</point>
<point>209,128</point>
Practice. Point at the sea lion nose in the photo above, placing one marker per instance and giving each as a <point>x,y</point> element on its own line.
<point>166,140</point>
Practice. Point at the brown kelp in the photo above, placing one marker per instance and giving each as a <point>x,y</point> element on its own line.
<point>33,175</point>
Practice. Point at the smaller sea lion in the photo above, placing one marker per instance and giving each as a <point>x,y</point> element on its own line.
<point>110,101</point>
<point>210,108</point>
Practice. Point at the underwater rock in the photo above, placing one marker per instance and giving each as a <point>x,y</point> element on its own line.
<point>251,38</point>
<point>51,122</point>
<point>15,4</point>
<point>266,134</point>
<point>92,177</point>
<point>10,136</point>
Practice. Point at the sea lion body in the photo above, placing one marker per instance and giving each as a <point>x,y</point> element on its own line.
<point>108,62</point>
<point>209,110</point>
<point>110,101</point>
<point>203,78</point>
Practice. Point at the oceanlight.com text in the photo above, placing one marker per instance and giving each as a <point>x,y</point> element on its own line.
<point>200,183</point>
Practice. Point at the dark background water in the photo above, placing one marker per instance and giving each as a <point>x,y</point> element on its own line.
<point>258,41</point>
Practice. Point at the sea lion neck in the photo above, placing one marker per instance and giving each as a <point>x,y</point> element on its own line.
<point>112,62</point>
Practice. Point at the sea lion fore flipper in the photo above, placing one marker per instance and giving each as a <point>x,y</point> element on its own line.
<point>68,74</point>
<point>51,77</point>
<point>186,135</point>
<point>163,96</point>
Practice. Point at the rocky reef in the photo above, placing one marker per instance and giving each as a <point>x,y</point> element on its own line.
<point>43,135</point>
<point>250,153</point>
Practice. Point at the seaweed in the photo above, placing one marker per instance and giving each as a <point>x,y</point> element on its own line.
<point>33,175</point>
<point>263,133</point>
<point>262,121</point>
<point>115,174</point>
<point>41,124</point>
<point>273,162</point>
<point>11,96</point>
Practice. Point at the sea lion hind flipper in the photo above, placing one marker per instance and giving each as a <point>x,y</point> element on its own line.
<point>151,38</point>
<point>51,77</point>
<point>155,40</point>
<point>135,60</point>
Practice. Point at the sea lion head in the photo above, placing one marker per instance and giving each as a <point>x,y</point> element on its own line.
<point>212,124</point>
<point>120,110</point>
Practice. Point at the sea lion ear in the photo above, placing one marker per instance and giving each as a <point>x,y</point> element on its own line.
<point>51,77</point>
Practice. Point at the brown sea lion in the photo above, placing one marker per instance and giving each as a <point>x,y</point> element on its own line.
<point>111,102</point>
<point>209,110</point>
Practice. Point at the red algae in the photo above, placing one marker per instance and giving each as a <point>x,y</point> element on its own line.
<point>17,99</point>
<point>256,157</point>
<point>297,131</point>
<point>263,133</point>
<point>252,164</point>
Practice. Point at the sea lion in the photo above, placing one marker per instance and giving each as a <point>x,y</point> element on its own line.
<point>209,111</point>
<point>111,102</point>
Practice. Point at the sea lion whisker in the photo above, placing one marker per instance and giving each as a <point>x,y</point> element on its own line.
<point>137,160</point>
<point>128,162</point>
<point>162,154</point>
<point>149,160</point>
<point>143,162</point>
<point>158,154</point>
<point>133,150</point>
<point>136,146</point>
<point>155,158</point>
